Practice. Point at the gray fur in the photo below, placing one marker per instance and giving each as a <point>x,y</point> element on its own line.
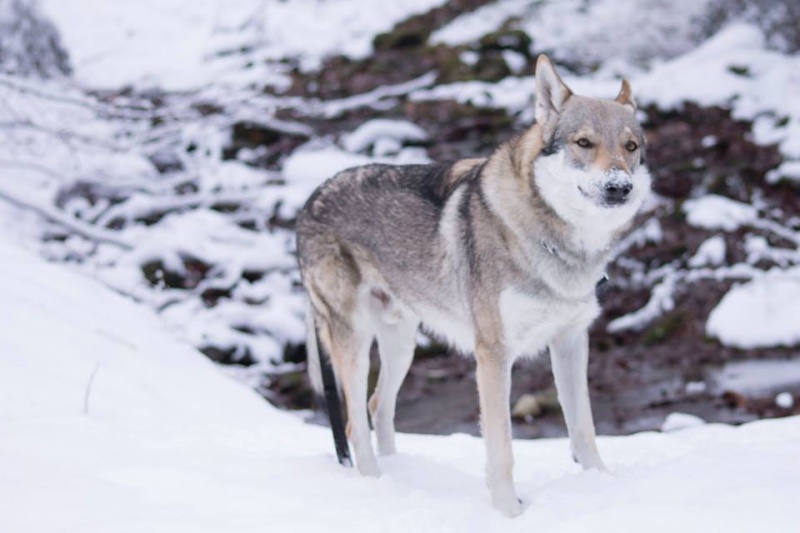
<point>490,254</point>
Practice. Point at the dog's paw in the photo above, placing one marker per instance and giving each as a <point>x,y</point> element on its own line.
<point>589,461</point>
<point>368,468</point>
<point>593,463</point>
<point>507,503</point>
<point>510,508</point>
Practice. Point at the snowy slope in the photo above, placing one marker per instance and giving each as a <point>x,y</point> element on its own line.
<point>180,45</point>
<point>167,444</point>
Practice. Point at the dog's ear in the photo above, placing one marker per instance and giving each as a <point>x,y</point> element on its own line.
<point>625,96</point>
<point>551,92</point>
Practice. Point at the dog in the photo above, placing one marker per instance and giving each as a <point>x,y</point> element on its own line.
<point>498,256</point>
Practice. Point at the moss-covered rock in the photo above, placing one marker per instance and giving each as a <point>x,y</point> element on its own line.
<point>401,37</point>
<point>491,66</point>
<point>516,40</point>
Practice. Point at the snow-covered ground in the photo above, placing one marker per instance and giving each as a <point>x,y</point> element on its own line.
<point>180,45</point>
<point>107,424</point>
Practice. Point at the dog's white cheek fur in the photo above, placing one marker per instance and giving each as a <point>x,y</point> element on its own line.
<point>560,185</point>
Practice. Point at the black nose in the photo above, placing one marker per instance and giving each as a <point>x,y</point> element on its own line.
<point>617,191</point>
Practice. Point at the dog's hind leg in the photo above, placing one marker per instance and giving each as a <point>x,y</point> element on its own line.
<point>569,354</point>
<point>334,282</point>
<point>352,348</point>
<point>396,343</point>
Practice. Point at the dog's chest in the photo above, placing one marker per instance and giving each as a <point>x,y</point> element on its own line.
<point>530,323</point>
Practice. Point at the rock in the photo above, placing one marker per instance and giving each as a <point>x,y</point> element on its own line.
<point>491,66</point>
<point>527,405</point>
<point>533,405</point>
<point>516,40</point>
<point>405,37</point>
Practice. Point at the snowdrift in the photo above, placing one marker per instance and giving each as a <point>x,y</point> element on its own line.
<point>109,425</point>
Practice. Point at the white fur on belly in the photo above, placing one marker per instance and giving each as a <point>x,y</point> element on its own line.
<point>457,331</point>
<point>530,324</point>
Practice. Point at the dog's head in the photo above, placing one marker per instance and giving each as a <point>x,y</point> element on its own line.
<point>592,160</point>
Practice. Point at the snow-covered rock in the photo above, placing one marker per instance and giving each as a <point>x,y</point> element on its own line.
<point>678,421</point>
<point>718,212</point>
<point>760,313</point>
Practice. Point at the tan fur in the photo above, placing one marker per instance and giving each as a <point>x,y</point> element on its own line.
<point>625,96</point>
<point>461,167</point>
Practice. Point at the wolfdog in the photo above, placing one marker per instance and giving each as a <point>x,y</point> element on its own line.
<point>498,256</point>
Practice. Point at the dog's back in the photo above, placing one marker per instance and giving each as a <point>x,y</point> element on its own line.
<point>379,227</point>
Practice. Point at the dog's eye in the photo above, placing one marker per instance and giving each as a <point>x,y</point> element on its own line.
<point>631,146</point>
<point>583,142</point>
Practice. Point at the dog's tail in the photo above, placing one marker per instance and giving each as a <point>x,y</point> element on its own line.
<point>323,380</point>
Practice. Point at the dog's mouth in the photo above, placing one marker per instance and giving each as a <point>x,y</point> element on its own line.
<point>612,203</point>
<point>584,193</point>
<point>609,201</point>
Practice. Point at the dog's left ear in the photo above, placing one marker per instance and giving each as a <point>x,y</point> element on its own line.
<point>625,96</point>
<point>551,92</point>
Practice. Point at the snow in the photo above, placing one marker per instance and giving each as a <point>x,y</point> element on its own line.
<point>784,400</point>
<point>716,212</point>
<point>789,170</point>
<point>309,166</point>
<point>379,130</point>
<point>111,420</point>
<point>661,30</point>
<point>470,27</point>
<point>678,421</point>
<point>179,45</point>
<point>169,444</point>
<point>511,93</point>
<point>696,387</point>
<point>756,378</point>
<point>761,313</point>
<point>710,253</point>
<point>661,301</point>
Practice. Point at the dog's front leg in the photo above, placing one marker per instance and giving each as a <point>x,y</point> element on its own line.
<point>494,387</point>
<point>569,353</point>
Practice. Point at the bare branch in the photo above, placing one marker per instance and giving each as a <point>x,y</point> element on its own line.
<point>69,223</point>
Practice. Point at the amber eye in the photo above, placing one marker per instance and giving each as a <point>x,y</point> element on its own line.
<point>631,146</point>
<point>583,142</point>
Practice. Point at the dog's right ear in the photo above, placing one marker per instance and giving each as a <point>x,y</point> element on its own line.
<point>551,92</point>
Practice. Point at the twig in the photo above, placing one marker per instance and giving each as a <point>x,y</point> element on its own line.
<point>63,135</point>
<point>104,110</point>
<point>88,391</point>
